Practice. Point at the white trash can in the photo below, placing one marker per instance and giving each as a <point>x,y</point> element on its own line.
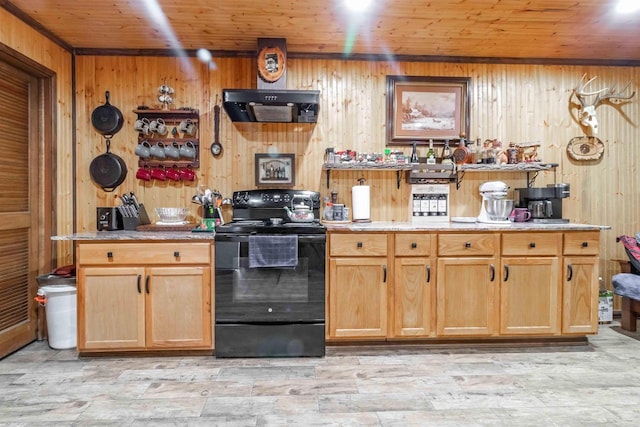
<point>60,306</point>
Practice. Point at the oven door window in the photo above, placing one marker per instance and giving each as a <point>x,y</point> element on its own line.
<point>266,294</point>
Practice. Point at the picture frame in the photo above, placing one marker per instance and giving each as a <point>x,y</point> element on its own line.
<point>275,169</point>
<point>422,108</point>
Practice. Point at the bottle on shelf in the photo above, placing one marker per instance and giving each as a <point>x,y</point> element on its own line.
<point>447,154</point>
<point>414,153</point>
<point>479,151</point>
<point>473,152</point>
<point>431,154</point>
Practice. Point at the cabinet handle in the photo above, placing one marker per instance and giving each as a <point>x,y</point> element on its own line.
<point>384,275</point>
<point>146,284</point>
<point>532,245</point>
<point>109,254</point>
<point>139,280</point>
<point>414,245</point>
<point>359,245</point>
<point>506,272</point>
<point>467,245</point>
<point>585,244</point>
<point>428,274</point>
<point>569,273</point>
<point>176,254</point>
<point>493,272</point>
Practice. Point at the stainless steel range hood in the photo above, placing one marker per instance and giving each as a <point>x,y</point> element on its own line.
<point>271,101</point>
<point>275,106</point>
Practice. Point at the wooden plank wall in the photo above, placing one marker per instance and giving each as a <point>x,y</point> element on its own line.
<point>20,37</point>
<point>512,102</point>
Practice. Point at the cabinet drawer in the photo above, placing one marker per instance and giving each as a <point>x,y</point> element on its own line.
<point>484,244</point>
<point>363,244</point>
<point>143,253</point>
<point>413,244</point>
<point>583,243</point>
<point>531,244</point>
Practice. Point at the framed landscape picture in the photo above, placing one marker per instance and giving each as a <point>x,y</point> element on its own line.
<point>423,108</point>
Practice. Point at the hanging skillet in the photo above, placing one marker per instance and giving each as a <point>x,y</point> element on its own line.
<point>107,119</point>
<point>108,170</point>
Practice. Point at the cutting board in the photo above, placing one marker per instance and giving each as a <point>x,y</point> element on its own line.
<point>154,227</point>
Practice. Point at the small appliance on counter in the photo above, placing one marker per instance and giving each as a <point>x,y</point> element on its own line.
<point>544,203</point>
<point>108,219</point>
<point>495,208</point>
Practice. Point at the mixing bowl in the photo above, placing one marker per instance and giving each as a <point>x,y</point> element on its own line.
<point>172,214</point>
<point>498,209</point>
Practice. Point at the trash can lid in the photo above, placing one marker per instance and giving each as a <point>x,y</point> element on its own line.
<point>52,279</point>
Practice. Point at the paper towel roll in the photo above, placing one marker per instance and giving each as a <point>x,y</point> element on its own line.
<point>360,200</point>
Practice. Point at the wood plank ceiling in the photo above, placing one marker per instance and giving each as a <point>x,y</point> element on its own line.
<point>574,31</point>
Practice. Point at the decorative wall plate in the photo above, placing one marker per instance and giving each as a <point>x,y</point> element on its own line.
<point>271,63</point>
<point>585,148</point>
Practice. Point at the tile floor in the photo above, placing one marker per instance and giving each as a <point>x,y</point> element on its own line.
<point>594,385</point>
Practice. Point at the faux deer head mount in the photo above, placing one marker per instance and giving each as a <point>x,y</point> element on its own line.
<point>587,111</point>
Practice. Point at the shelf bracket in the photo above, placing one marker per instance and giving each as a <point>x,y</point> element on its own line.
<point>328,176</point>
<point>531,179</point>
<point>459,177</point>
<point>398,179</point>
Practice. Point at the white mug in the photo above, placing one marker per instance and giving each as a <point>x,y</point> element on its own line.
<point>158,126</point>
<point>142,126</point>
<point>188,127</point>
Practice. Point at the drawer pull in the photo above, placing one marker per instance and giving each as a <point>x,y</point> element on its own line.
<point>139,280</point>
<point>585,244</point>
<point>146,284</point>
<point>428,273</point>
<point>359,245</point>
<point>569,273</point>
<point>506,272</point>
<point>467,244</point>
<point>109,254</point>
<point>414,245</point>
<point>532,245</point>
<point>176,254</point>
<point>384,271</point>
<point>493,272</point>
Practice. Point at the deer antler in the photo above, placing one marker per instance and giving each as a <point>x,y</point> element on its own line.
<point>602,94</point>
<point>581,94</point>
<point>611,94</point>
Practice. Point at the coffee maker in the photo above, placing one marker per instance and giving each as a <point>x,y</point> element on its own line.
<point>544,203</point>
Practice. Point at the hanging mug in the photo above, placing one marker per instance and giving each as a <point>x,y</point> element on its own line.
<point>143,150</point>
<point>187,174</point>
<point>159,173</point>
<point>188,127</point>
<point>144,174</point>
<point>172,151</point>
<point>174,173</point>
<point>188,150</point>
<point>142,126</point>
<point>159,127</point>
<point>157,151</point>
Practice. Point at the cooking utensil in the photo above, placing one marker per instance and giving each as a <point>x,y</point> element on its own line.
<point>107,119</point>
<point>108,170</point>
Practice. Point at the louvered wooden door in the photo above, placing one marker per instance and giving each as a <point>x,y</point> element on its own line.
<point>19,177</point>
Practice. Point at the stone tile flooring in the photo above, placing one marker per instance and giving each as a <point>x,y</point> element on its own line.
<point>594,385</point>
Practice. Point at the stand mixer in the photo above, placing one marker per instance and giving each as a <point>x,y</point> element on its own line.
<point>489,191</point>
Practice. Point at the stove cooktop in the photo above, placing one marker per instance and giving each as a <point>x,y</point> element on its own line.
<point>268,227</point>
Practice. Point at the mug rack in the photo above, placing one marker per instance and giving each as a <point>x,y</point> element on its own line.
<point>172,119</point>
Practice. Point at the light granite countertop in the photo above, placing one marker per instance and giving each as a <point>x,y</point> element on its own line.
<point>355,227</point>
<point>136,235</point>
<point>462,226</point>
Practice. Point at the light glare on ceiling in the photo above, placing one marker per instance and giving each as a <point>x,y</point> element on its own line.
<point>357,5</point>
<point>628,6</point>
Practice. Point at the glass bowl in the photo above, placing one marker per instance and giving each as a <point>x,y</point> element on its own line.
<point>172,215</point>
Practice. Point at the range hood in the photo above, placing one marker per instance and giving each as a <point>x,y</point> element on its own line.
<point>271,101</point>
<point>275,106</point>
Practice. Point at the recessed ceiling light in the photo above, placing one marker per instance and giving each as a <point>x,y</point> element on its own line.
<point>627,6</point>
<point>357,5</point>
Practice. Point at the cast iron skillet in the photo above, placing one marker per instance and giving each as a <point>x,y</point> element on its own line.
<point>107,119</point>
<point>108,170</point>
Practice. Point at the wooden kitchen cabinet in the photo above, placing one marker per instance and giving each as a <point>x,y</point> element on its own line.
<point>530,291</point>
<point>160,299</point>
<point>467,284</point>
<point>414,286</point>
<point>358,277</point>
<point>580,283</point>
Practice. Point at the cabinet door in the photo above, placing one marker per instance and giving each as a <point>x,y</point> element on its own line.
<point>414,297</point>
<point>530,296</point>
<point>580,295</point>
<point>111,308</point>
<point>179,307</point>
<point>467,290</point>
<point>358,297</point>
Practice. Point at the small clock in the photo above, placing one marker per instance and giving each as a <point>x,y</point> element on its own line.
<point>216,149</point>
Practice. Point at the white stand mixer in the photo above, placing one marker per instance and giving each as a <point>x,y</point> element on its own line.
<point>492,190</point>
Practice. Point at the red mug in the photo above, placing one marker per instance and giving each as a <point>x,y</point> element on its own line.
<point>174,174</point>
<point>159,173</point>
<point>187,174</point>
<point>144,174</point>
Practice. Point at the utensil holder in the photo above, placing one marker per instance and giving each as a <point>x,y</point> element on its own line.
<point>130,223</point>
<point>143,216</point>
